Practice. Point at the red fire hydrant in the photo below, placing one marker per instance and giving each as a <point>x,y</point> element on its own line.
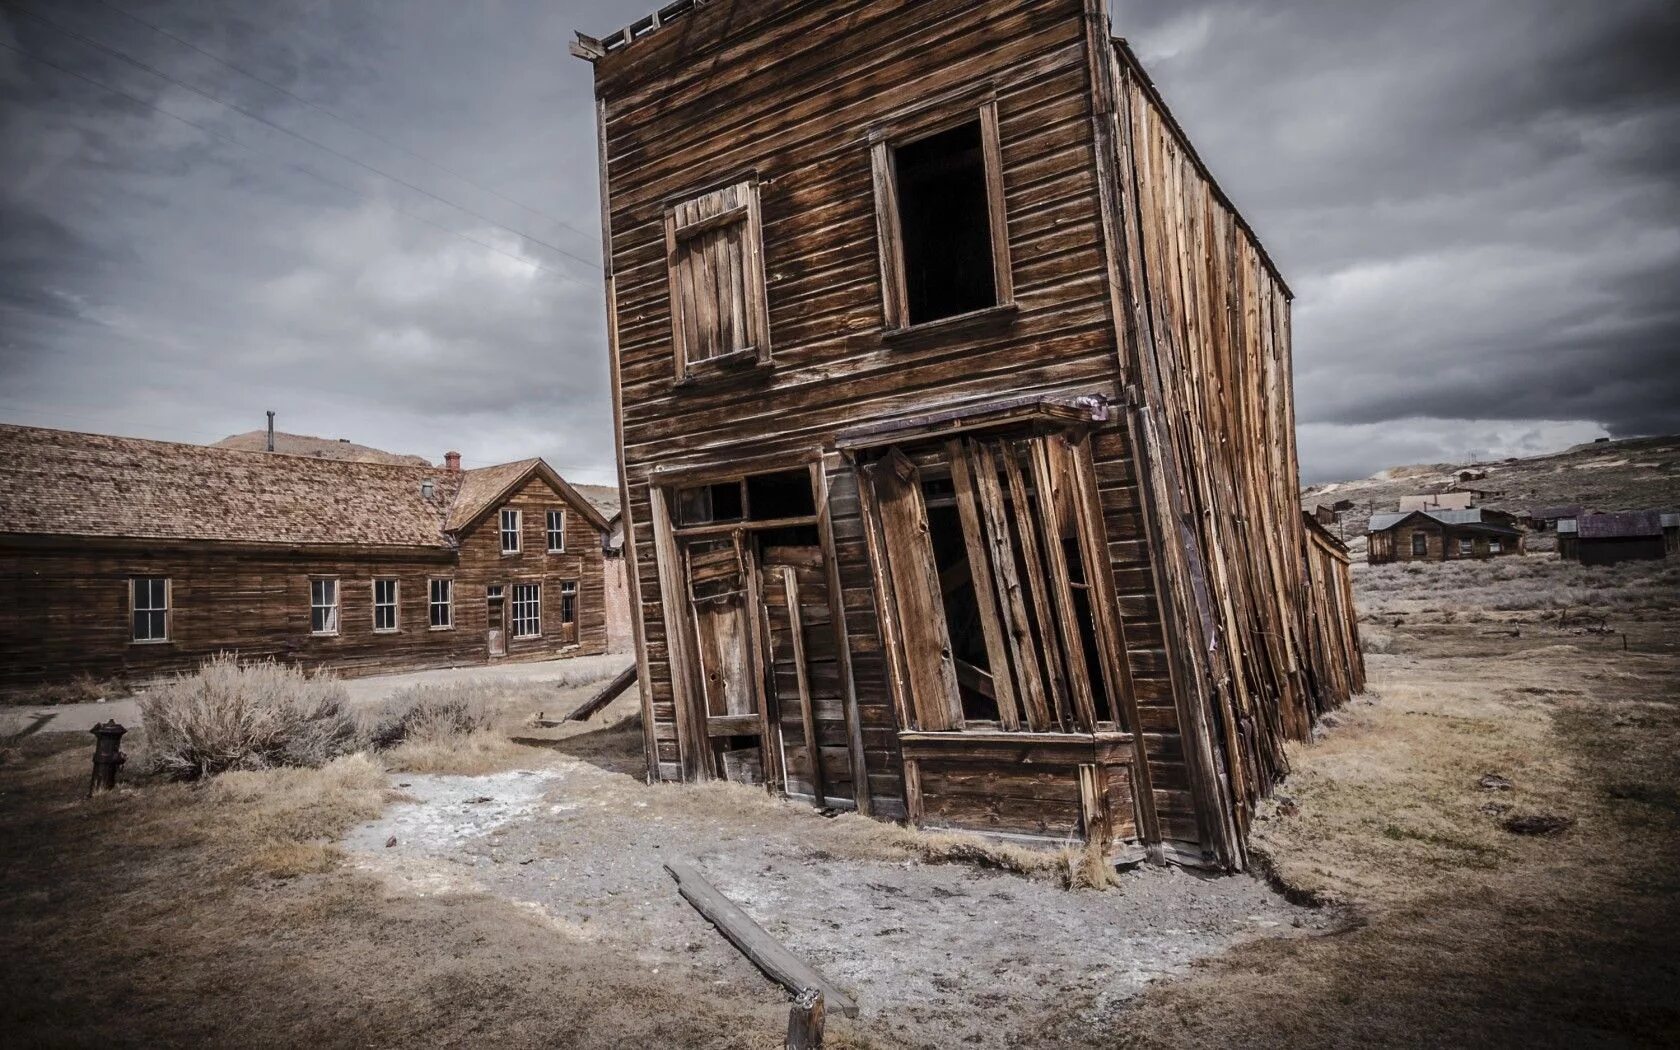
<point>107,755</point>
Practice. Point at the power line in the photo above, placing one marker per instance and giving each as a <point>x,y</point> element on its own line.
<point>347,122</point>
<point>300,137</point>
<point>296,167</point>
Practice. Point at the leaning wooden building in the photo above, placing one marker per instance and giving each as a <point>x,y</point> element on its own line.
<point>956,427</point>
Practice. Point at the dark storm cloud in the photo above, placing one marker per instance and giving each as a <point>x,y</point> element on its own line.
<point>1478,205</point>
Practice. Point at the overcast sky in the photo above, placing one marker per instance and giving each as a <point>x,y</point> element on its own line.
<point>1477,204</point>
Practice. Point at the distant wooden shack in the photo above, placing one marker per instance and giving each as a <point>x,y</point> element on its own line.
<point>1607,539</point>
<point>125,557</point>
<point>956,424</point>
<point>1442,535</point>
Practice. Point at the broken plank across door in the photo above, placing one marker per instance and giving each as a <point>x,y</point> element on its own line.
<point>805,674</point>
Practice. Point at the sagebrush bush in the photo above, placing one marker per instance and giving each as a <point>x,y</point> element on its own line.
<point>251,716</point>
<point>429,713</point>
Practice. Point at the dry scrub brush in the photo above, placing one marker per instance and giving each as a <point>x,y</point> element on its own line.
<point>252,716</point>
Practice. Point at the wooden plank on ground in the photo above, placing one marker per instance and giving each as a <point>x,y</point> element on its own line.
<point>764,951</point>
<point>605,695</point>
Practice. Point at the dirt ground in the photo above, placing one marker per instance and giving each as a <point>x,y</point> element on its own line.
<point>523,903</point>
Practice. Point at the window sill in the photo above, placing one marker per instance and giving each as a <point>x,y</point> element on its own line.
<point>557,550</point>
<point>737,364</point>
<point>446,627</point>
<point>323,634</point>
<point>387,630</point>
<point>150,641</point>
<point>959,322</point>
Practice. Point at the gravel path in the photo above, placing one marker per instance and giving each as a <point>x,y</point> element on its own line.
<point>937,955</point>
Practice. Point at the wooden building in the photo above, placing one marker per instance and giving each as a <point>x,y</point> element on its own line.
<point>124,557</point>
<point>1442,535</point>
<point>1607,539</point>
<point>956,429</point>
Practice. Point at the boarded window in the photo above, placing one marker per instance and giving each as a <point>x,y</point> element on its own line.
<point>719,314</point>
<point>557,531</point>
<point>384,605</point>
<point>442,603</point>
<point>527,610</point>
<point>323,606</point>
<point>149,599</point>
<point>991,566</point>
<point>944,240</point>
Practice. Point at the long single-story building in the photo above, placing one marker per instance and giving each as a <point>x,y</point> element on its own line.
<point>1442,535</point>
<point>1606,539</point>
<point>133,558</point>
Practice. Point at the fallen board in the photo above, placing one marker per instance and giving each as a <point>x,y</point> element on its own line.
<point>604,695</point>
<point>767,953</point>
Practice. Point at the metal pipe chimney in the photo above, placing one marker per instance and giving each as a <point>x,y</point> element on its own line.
<point>271,430</point>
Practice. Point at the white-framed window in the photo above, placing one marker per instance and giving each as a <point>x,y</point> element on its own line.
<point>557,532</point>
<point>568,601</point>
<point>149,603</point>
<point>441,603</point>
<point>1495,546</point>
<point>1466,545</point>
<point>323,606</point>
<point>385,605</point>
<point>527,610</point>
<point>510,531</point>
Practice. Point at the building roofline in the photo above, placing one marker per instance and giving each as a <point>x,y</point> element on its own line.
<point>590,48</point>
<point>1129,58</point>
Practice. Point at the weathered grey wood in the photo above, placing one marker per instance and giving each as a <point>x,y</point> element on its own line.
<point>985,588</point>
<point>604,695</point>
<point>807,713</point>
<point>805,1021</point>
<point>764,951</point>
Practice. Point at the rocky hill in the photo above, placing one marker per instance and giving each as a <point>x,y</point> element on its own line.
<point>1632,474</point>
<point>323,448</point>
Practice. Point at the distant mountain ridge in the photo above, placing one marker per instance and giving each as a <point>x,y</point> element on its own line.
<point>1630,474</point>
<point>321,448</point>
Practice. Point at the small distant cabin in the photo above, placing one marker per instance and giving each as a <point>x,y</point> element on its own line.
<point>122,557</point>
<point>1436,501</point>
<point>1543,519</point>
<point>1608,539</point>
<point>1442,535</point>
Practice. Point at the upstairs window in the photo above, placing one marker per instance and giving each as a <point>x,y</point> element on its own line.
<point>715,261</point>
<point>149,603</point>
<point>510,532</point>
<point>442,604</point>
<point>384,605</point>
<point>323,606</point>
<point>944,240</point>
<point>557,532</point>
<point>527,610</point>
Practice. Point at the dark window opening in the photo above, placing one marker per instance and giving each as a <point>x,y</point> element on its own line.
<point>704,504</point>
<point>945,224</point>
<point>784,495</point>
<point>789,536</point>
<point>962,614</point>
<point>1420,543</point>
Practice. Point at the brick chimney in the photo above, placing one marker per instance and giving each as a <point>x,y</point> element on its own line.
<point>452,462</point>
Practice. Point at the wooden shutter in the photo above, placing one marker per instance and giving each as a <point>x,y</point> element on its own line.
<point>719,315</point>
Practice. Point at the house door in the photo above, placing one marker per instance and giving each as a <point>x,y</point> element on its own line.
<point>496,634</point>
<point>723,598</point>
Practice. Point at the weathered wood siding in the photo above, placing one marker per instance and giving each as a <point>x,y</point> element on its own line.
<point>482,563</point>
<point>64,602</point>
<point>1441,543</point>
<point>793,100</point>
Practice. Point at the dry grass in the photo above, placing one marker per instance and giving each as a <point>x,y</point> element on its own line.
<point>81,689</point>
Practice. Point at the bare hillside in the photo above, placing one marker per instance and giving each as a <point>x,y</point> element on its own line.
<point>323,448</point>
<point>1632,474</point>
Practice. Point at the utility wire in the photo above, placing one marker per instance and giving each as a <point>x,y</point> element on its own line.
<point>290,164</point>
<point>347,122</point>
<point>91,42</point>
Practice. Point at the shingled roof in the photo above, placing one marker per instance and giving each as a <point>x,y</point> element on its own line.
<point>64,483</point>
